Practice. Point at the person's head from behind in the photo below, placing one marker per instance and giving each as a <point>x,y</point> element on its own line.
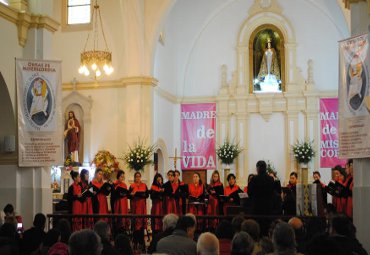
<point>261,167</point>
<point>170,221</point>
<point>8,230</point>
<point>224,230</point>
<point>187,224</point>
<point>251,227</point>
<point>283,237</point>
<point>65,230</point>
<point>9,210</point>
<point>323,244</point>
<point>293,178</point>
<point>342,225</point>
<point>208,244</point>
<point>39,221</point>
<point>103,230</point>
<point>242,244</point>
<point>85,242</point>
<point>51,237</point>
<point>122,244</point>
<point>236,223</point>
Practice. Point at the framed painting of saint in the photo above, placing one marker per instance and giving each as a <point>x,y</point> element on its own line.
<point>266,60</point>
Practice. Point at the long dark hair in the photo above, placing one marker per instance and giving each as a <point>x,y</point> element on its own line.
<point>200,180</point>
<point>83,174</point>
<point>119,173</point>
<point>155,182</point>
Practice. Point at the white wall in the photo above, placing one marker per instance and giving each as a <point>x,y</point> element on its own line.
<point>198,44</point>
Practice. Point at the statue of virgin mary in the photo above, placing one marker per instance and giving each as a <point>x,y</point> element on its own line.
<point>269,73</point>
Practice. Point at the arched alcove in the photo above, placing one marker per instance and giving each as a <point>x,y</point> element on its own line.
<point>81,105</point>
<point>7,117</point>
<point>162,156</point>
<point>257,21</point>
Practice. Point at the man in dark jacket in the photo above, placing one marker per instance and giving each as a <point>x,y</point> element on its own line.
<point>261,190</point>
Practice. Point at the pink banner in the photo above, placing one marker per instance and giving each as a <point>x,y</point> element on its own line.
<point>198,136</point>
<point>329,143</point>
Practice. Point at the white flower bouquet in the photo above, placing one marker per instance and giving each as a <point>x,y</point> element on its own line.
<point>303,152</point>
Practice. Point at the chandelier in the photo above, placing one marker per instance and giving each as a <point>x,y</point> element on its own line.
<point>94,62</point>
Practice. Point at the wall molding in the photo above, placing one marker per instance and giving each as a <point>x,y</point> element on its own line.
<point>123,82</point>
<point>25,20</point>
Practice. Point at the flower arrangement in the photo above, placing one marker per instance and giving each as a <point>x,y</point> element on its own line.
<point>303,152</point>
<point>139,156</point>
<point>271,168</point>
<point>228,152</point>
<point>69,164</point>
<point>106,161</point>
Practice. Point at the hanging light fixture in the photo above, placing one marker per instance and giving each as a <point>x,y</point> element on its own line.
<point>95,62</point>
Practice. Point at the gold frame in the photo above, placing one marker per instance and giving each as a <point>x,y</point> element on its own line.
<point>282,55</point>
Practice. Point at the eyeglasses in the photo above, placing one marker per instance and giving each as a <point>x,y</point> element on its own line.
<point>169,174</point>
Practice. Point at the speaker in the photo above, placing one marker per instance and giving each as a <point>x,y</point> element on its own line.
<point>9,143</point>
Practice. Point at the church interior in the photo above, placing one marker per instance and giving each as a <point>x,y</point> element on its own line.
<point>168,53</point>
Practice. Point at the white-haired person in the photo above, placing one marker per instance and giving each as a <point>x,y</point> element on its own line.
<point>208,244</point>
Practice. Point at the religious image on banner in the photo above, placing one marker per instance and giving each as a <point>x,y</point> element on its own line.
<point>39,112</point>
<point>198,136</point>
<point>329,143</point>
<point>39,101</point>
<point>354,97</point>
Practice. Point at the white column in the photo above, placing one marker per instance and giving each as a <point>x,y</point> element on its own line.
<point>360,20</point>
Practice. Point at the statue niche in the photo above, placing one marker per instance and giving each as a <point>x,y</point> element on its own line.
<point>267,57</point>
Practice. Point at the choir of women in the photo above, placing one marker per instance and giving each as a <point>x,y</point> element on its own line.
<point>177,197</point>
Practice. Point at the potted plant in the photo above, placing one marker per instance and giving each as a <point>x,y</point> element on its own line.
<point>139,156</point>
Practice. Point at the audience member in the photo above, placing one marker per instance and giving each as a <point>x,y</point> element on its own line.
<point>224,233</point>
<point>208,244</point>
<point>236,223</point>
<point>181,241</point>
<point>51,237</point>
<point>58,248</point>
<point>65,230</point>
<point>251,227</point>
<point>283,239</point>
<point>242,244</point>
<point>344,232</point>
<point>122,245</point>
<point>33,237</point>
<point>169,224</point>
<point>266,246</point>
<point>299,232</point>
<point>85,242</point>
<point>8,242</point>
<point>103,230</point>
<point>323,244</point>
